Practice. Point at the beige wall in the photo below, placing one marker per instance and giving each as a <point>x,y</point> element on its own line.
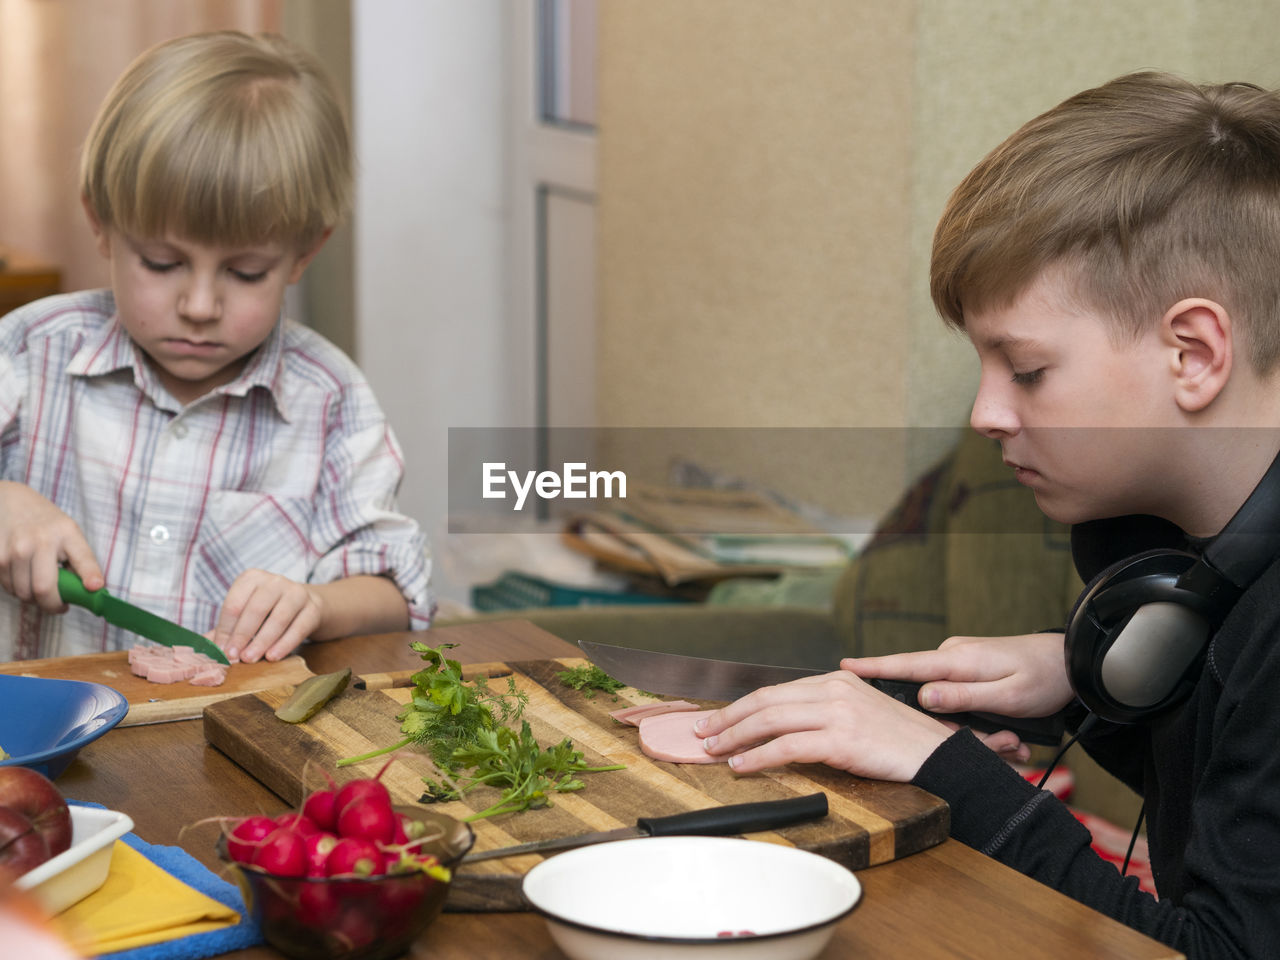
<point>754,216</point>
<point>770,173</point>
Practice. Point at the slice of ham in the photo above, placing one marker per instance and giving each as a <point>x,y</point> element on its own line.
<point>670,736</point>
<point>633,715</point>
<point>161,664</point>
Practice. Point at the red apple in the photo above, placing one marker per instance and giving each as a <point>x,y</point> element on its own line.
<point>22,848</point>
<point>33,795</point>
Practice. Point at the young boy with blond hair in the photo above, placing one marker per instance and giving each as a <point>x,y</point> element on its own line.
<point>175,437</point>
<point>1116,265</point>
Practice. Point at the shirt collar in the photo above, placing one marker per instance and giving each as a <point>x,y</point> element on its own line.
<point>265,370</point>
<point>110,349</point>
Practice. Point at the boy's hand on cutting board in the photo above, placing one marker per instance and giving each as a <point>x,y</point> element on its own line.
<point>266,616</point>
<point>834,718</point>
<point>35,537</point>
<point>1021,676</point>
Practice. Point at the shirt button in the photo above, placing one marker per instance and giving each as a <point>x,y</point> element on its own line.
<point>179,430</point>
<point>159,533</point>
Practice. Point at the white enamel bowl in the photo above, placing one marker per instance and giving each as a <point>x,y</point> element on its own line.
<point>677,897</point>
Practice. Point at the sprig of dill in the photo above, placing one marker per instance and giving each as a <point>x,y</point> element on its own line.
<point>589,679</point>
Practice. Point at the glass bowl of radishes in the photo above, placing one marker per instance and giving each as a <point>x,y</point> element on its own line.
<point>349,876</point>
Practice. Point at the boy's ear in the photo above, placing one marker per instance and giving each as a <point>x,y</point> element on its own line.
<point>99,231</point>
<point>1201,339</point>
<point>300,266</point>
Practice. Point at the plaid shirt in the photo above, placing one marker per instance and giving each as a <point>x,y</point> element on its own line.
<point>290,468</point>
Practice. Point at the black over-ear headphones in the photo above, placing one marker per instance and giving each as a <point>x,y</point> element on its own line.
<point>1139,632</point>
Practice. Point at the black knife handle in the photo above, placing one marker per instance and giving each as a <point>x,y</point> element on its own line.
<point>1042,730</point>
<point>737,817</point>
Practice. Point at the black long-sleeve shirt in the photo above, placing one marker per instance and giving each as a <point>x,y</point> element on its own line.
<point>1209,770</point>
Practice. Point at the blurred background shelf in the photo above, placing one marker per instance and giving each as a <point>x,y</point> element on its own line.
<point>24,278</point>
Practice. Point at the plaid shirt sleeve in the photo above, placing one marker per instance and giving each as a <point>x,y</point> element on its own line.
<point>356,529</point>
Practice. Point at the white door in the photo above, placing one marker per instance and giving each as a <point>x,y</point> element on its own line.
<point>552,191</point>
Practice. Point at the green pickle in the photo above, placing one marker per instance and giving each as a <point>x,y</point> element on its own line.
<point>312,694</point>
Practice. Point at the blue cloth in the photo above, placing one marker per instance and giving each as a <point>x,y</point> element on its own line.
<point>178,863</point>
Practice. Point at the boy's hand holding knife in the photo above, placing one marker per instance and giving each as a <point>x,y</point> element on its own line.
<point>35,538</point>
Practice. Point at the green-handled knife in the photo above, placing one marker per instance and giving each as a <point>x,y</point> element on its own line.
<point>115,611</point>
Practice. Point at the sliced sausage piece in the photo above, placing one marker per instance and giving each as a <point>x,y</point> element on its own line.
<point>633,715</point>
<point>670,736</point>
<point>161,664</point>
<point>211,675</point>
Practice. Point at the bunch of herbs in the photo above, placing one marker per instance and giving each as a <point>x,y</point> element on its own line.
<point>467,725</point>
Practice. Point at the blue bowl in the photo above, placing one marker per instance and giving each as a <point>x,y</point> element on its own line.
<point>44,723</point>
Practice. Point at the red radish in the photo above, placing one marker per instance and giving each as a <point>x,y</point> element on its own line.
<point>283,853</point>
<point>321,808</point>
<point>247,835</point>
<point>370,820</point>
<point>399,835</point>
<point>318,903</point>
<point>398,899</point>
<point>354,929</point>
<point>361,790</point>
<point>298,823</point>
<point>354,856</point>
<point>318,847</point>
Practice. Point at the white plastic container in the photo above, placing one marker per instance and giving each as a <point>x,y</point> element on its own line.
<point>83,867</point>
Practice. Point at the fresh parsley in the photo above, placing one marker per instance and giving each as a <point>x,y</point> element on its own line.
<point>525,773</point>
<point>467,726</point>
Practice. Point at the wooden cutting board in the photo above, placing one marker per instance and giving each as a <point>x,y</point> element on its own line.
<point>870,821</point>
<point>160,702</point>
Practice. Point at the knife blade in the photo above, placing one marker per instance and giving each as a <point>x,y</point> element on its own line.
<point>681,675</point>
<point>118,613</point>
<point>723,821</point>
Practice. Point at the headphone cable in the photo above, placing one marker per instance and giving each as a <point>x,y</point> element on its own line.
<point>1133,839</point>
<point>1085,726</point>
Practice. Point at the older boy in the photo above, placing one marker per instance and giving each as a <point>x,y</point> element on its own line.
<point>174,437</point>
<point>1115,265</point>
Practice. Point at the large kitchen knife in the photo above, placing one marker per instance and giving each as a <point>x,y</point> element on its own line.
<point>723,821</point>
<point>680,675</point>
<point>115,611</point>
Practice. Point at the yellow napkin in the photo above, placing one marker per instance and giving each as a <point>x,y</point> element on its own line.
<point>140,904</point>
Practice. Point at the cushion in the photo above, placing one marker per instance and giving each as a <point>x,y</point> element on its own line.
<point>967,552</point>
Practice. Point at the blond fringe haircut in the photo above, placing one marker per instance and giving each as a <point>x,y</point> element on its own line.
<point>220,138</point>
<point>1144,191</point>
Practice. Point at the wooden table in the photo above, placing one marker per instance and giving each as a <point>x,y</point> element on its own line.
<point>947,902</point>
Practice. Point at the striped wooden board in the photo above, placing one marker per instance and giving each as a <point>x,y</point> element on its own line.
<point>870,821</point>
